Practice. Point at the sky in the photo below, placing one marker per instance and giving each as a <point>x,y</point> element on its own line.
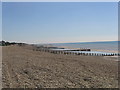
<point>59,22</point>
<point>60,0</point>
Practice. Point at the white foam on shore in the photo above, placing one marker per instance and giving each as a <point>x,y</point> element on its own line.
<point>108,51</point>
<point>115,58</point>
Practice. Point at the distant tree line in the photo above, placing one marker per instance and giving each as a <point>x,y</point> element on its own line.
<point>4,43</point>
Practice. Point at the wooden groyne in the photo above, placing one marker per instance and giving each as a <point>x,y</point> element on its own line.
<point>76,52</point>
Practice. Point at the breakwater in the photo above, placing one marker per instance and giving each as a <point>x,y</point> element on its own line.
<point>84,52</point>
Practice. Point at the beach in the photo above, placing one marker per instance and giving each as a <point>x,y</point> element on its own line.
<point>0,67</point>
<point>23,67</point>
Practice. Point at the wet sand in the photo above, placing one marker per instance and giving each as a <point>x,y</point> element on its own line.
<point>23,67</point>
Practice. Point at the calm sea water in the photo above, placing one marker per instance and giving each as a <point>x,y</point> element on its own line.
<point>109,46</point>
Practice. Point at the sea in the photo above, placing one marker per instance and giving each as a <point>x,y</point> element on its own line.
<point>104,46</point>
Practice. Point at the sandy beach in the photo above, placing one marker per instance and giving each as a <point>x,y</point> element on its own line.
<point>0,67</point>
<point>24,68</point>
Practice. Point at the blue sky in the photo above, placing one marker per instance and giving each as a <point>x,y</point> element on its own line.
<point>60,22</point>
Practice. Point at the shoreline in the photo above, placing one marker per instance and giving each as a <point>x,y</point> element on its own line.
<point>99,50</point>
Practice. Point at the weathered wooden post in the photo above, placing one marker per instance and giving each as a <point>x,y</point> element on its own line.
<point>52,51</point>
<point>72,53</point>
<point>48,50</point>
<point>64,52</point>
<point>58,52</point>
<point>87,54</point>
<point>100,54</point>
<point>75,53</point>
<point>81,53</point>
<point>68,53</point>
<point>61,52</point>
<point>118,54</point>
<point>96,54</point>
<point>90,54</point>
<point>55,52</point>
<point>78,53</point>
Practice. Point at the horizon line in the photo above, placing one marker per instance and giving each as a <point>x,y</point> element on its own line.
<point>61,42</point>
<point>88,41</point>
